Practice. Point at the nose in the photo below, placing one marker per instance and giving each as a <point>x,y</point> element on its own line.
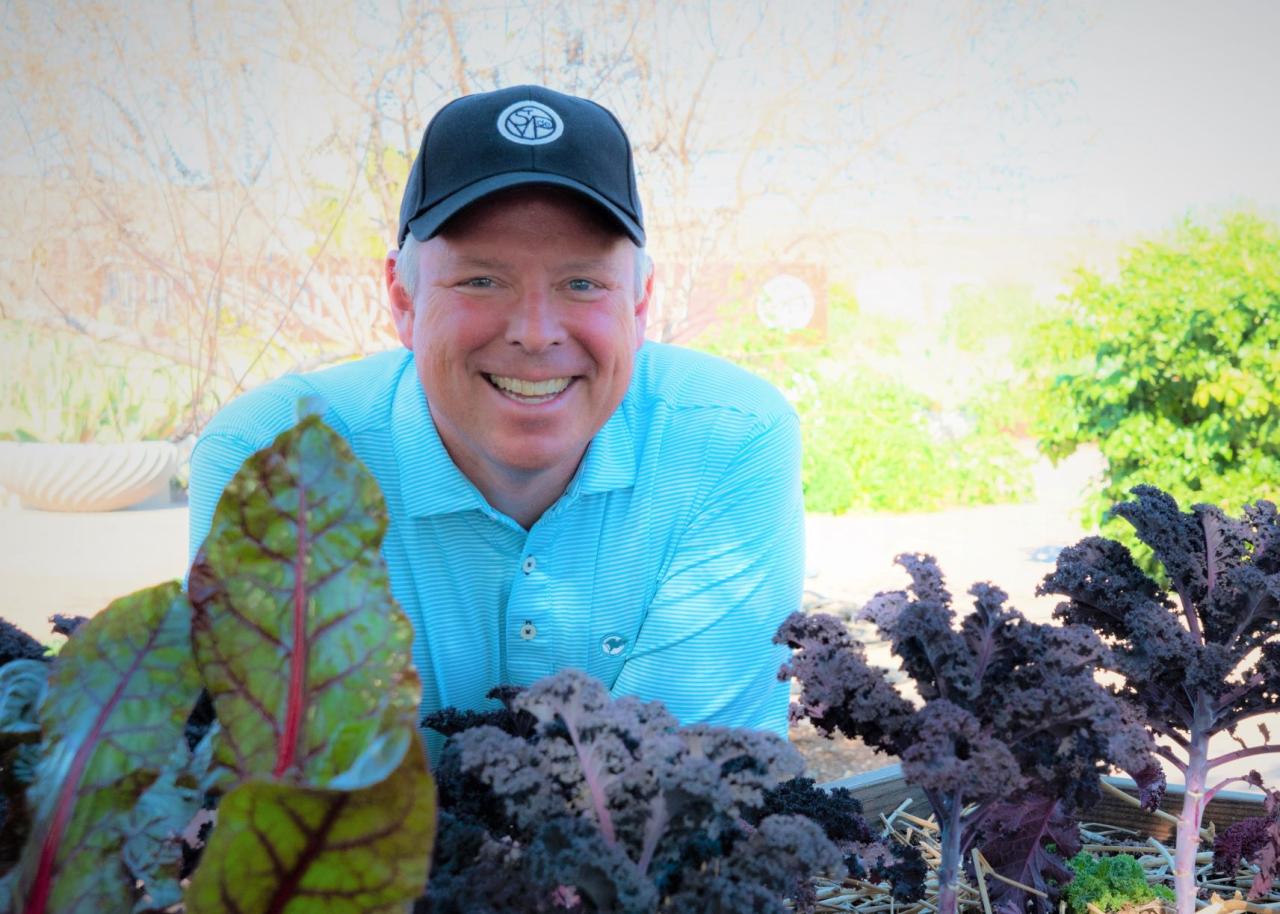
<point>534,323</point>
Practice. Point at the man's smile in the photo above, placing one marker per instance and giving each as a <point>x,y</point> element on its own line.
<point>522,390</point>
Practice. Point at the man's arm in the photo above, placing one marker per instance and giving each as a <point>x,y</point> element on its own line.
<point>705,648</point>
<point>240,429</point>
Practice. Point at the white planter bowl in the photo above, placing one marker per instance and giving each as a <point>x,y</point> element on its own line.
<point>86,477</point>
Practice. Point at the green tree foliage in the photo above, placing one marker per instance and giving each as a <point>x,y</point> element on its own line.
<point>1172,369</point>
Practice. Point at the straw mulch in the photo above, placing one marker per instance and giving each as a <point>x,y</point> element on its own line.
<point>1219,895</point>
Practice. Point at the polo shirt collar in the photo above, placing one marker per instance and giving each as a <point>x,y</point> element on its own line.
<point>610,462</point>
<point>431,483</point>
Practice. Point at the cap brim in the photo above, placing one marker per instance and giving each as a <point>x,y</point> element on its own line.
<point>427,224</point>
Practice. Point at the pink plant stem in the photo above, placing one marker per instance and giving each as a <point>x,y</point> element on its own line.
<point>591,773</point>
<point>949,865</point>
<point>286,754</point>
<point>1188,831</point>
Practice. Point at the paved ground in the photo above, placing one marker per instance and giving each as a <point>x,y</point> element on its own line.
<point>1013,546</point>
<point>78,563</point>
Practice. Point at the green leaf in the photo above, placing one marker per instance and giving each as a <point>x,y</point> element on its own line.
<point>299,640</point>
<point>281,847</point>
<point>23,684</point>
<point>119,693</point>
<point>152,851</point>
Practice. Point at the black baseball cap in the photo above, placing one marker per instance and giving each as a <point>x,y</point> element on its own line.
<point>479,144</point>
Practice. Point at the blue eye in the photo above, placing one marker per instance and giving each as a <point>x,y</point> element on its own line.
<point>479,282</point>
<point>581,285</point>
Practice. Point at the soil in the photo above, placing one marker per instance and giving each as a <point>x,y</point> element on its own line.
<point>828,760</point>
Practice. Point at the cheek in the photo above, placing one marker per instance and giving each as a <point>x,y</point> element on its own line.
<point>611,338</point>
<point>451,332</point>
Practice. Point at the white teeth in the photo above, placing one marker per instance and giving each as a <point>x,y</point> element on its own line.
<point>523,388</point>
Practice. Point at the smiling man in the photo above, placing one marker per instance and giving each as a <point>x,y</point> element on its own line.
<point>561,493</point>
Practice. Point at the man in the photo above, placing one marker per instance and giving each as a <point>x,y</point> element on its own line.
<point>560,492</point>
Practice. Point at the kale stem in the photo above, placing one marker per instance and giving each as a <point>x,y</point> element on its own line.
<point>1188,831</point>
<point>949,866</point>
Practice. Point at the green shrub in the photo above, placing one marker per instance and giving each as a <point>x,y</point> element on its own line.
<point>1171,369</point>
<point>871,442</point>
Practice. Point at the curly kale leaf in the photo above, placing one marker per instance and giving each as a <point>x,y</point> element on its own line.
<point>1188,647</point>
<point>449,721</point>
<point>610,805</point>
<point>1255,840</point>
<point>1008,704</point>
<point>955,756</point>
<point>1109,883</point>
<point>841,691</point>
<point>758,872</point>
<point>839,814</point>
<point>15,644</point>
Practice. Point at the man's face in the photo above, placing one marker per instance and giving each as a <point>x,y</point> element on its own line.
<point>524,329</point>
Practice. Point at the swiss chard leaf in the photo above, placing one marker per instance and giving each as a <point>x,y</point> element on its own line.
<point>119,693</point>
<point>340,851</point>
<point>300,693</point>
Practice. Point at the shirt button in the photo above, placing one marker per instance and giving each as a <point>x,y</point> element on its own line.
<point>530,563</point>
<point>528,631</point>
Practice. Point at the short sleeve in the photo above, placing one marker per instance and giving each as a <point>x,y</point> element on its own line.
<point>215,460</point>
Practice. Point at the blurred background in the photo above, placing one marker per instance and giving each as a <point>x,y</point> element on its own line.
<point>1007,259</point>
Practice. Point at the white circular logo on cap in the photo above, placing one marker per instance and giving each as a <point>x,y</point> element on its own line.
<point>530,124</point>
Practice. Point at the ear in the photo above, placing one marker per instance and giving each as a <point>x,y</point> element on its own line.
<point>401,303</point>
<point>642,306</point>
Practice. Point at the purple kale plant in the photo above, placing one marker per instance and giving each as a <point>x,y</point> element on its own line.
<point>607,805</point>
<point>1255,840</point>
<point>867,855</point>
<point>1198,658</point>
<point>1008,735</point>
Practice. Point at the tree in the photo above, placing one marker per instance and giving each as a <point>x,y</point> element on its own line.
<point>1171,369</point>
<point>244,162</point>
<point>160,197</point>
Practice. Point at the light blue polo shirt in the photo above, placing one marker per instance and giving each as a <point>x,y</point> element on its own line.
<point>664,569</point>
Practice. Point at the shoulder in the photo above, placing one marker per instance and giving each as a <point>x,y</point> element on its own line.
<point>352,395</point>
<point>682,380</point>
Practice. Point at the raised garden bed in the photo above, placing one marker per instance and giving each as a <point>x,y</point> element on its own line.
<point>569,798</point>
<point>1115,825</point>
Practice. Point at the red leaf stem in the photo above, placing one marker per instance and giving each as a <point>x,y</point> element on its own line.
<point>298,656</point>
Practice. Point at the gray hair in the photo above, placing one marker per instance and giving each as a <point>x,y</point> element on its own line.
<point>410,256</point>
